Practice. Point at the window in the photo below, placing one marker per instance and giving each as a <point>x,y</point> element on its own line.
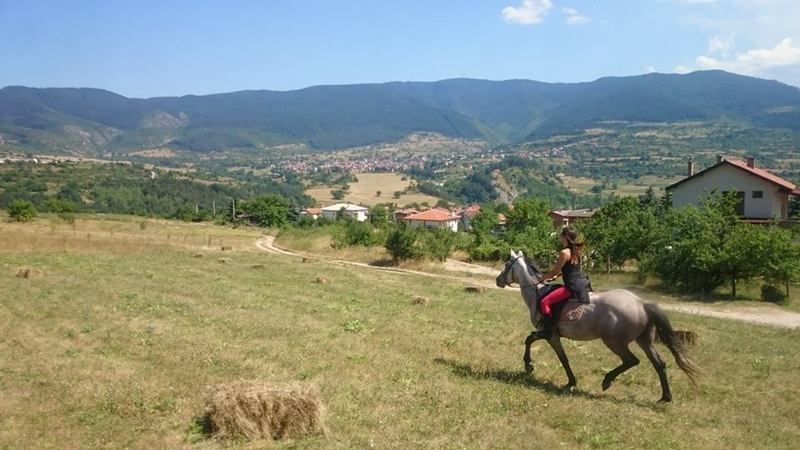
<point>758,194</point>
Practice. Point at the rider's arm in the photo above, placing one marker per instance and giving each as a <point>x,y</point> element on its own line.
<point>563,257</point>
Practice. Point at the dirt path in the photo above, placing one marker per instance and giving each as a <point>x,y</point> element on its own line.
<point>757,314</point>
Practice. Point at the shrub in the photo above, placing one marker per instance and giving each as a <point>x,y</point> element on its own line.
<point>437,244</point>
<point>400,243</point>
<point>21,210</point>
<point>353,233</point>
<point>772,293</point>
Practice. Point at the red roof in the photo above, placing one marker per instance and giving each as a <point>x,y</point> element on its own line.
<point>761,173</point>
<point>765,175</point>
<point>432,215</point>
<point>314,211</point>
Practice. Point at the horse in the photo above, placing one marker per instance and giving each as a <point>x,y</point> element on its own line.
<point>618,317</point>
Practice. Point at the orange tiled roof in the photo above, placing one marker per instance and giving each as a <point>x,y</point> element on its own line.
<point>432,215</point>
<point>764,174</point>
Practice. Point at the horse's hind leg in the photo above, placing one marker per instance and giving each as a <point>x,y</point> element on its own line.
<point>646,341</point>
<point>628,360</point>
<point>555,342</point>
<point>526,358</point>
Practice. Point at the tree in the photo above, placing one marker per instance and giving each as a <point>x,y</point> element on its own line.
<point>378,216</point>
<point>400,243</point>
<point>338,194</point>
<point>378,193</point>
<point>21,210</point>
<point>437,244</point>
<point>271,210</point>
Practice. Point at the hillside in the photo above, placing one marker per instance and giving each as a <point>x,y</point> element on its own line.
<point>92,121</point>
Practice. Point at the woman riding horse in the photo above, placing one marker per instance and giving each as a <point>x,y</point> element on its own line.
<point>575,283</point>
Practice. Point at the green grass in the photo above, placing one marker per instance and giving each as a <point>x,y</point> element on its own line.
<point>113,347</point>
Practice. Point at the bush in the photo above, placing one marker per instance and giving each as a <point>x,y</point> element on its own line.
<point>772,293</point>
<point>21,210</point>
<point>400,243</point>
<point>353,233</point>
<point>437,244</point>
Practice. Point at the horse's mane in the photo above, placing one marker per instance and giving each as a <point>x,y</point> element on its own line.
<point>532,265</point>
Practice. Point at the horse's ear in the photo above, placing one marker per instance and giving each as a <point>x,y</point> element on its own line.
<point>520,254</point>
<point>513,254</point>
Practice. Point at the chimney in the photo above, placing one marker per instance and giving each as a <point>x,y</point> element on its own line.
<point>751,162</point>
<point>690,167</point>
<point>719,159</point>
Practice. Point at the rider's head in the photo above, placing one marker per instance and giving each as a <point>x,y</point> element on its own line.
<point>569,239</point>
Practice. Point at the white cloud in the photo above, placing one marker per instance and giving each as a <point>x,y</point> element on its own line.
<point>682,69</point>
<point>529,12</point>
<point>574,17</point>
<point>720,43</point>
<point>755,61</point>
<point>649,69</point>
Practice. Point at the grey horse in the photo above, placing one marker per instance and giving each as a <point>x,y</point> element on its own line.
<point>618,317</point>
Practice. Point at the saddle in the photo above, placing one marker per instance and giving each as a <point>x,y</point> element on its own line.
<point>575,304</point>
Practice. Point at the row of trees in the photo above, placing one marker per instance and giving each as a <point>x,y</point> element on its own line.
<point>692,249</point>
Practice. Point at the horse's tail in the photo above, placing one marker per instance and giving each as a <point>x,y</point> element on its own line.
<point>668,337</point>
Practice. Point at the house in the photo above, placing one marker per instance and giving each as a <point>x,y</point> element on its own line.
<point>314,213</point>
<point>469,212</point>
<point>402,213</point>
<point>356,212</point>
<point>566,217</point>
<point>761,194</point>
<point>433,218</point>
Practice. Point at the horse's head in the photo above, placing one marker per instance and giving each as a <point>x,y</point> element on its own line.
<point>519,269</point>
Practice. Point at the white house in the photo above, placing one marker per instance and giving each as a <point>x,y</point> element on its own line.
<point>433,218</point>
<point>358,213</point>
<point>761,194</point>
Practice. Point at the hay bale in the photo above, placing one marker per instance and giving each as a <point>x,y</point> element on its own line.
<point>226,248</point>
<point>198,255</point>
<point>224,260</point>
<point>474,289</point>
<point>308,260</point>
<point>685,336</point>
<point>28,272</point>
<point>258,266</point>
<point>321,279</point>
<point>259,410</point>
<point>420,300</point>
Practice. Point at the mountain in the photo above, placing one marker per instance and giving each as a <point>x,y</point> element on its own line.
<point>327,117</point>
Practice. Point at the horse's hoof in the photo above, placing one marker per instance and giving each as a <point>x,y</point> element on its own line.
<point>665,400</point>
<point>528,370</point>
<point>568,389</point>
<point>606,384</point>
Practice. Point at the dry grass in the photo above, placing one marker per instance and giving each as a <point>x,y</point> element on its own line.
<point>258,410</point>
<point>108,349</point>
<point>364,191</point>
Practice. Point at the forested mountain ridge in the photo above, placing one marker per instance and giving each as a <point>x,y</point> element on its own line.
<point>85,120</point>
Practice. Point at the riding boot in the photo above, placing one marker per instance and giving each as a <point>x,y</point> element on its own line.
<point>547,328</point>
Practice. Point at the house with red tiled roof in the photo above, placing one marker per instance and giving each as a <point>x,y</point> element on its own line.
<point>433,218</point>
<point>314,213</point>
<point>761,194</point>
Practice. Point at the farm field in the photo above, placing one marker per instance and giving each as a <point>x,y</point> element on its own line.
<point>583,185</point>
<point>114,343</point>
<point>363,191</point>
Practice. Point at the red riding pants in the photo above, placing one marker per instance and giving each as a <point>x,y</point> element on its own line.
<point>558,294</point>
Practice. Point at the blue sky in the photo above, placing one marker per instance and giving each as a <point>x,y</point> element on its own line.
<point>152,48</point>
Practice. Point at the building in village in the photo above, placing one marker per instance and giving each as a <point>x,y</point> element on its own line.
<point>356,212</point>
<point>433,218</point>
<point>566,217</point>
<point>761,194</point>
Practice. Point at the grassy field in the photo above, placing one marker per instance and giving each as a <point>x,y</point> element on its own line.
<point>364,191</point>
<point>114,344</point>
<point>582,185</point>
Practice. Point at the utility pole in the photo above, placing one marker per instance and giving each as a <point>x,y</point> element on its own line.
<point>234,209</point>
<point>213,208</point>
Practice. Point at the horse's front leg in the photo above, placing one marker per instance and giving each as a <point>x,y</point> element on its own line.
<point>555,342</point>
<point>526,358</point>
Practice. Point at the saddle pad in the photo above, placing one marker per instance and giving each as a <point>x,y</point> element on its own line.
<point>572,312</point>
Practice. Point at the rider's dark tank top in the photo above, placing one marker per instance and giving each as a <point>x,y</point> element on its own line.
<point>575,280</point>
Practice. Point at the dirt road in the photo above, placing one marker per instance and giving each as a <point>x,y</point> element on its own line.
<point>763,315</point>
